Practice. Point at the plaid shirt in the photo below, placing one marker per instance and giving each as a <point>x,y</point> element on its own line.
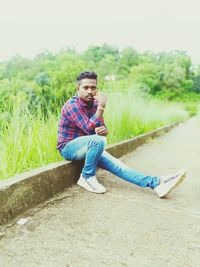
<point>77,119</point>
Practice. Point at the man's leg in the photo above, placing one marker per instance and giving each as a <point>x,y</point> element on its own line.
<point>117,167</point>
<point>90,148</point>
<point>162,185</point>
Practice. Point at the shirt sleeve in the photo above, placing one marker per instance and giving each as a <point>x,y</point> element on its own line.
<point>75,114</point>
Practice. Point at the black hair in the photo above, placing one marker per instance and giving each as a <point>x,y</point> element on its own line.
<point>86,75</point>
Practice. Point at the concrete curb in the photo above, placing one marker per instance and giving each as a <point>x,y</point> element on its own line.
<point>22,192</point>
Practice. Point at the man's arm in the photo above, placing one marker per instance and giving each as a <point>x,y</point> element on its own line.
<point>102,100</point>
<point>75,114</point>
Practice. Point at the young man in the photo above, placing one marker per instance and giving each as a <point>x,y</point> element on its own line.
<point>82,135</point>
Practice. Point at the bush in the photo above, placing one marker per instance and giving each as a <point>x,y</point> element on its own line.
<point>192,109</point>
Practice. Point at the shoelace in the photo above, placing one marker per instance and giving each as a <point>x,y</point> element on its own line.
<point>171,178</point>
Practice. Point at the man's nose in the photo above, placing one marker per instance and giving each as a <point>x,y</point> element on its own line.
<point>90,91</point>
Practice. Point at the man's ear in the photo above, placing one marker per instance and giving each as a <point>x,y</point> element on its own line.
<point>77,87</point>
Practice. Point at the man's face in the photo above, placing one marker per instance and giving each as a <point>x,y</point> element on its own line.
<point>87,89</point>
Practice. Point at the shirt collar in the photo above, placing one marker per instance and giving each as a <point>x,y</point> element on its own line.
<point>82,102</point>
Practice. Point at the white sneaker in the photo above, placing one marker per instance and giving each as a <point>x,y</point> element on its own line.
<point>91,184</point>
<point>169,183</point>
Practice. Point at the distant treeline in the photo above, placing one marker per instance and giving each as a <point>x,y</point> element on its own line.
<point>46,81</point>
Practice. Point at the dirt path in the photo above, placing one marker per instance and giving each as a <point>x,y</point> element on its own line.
<point>127,226</point>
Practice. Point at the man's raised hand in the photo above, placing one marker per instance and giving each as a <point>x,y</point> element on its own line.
<point>101,98</point>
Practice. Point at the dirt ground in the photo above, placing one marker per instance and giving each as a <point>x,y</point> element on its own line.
<point>127,226</point>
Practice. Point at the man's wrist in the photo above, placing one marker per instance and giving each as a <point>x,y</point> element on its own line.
<point>102,104</point>
<point>101,108</point>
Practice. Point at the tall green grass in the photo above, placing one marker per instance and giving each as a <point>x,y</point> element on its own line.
<point>128,115</point>
<point>28,141</point>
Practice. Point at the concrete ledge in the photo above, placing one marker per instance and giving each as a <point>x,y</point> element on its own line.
<point>20,193</point>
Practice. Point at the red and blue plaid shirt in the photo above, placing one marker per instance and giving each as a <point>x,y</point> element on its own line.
<point>77,119</point>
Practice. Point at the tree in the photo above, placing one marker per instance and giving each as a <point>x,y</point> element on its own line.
<point>42,79</point>
<point>148,76</point>
<point>97,53</point>
<point>128,58</point>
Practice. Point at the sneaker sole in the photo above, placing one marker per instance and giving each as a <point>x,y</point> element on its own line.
<point>180,180</point>
<point>88,188</point>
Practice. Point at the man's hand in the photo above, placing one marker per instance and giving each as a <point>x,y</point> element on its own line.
<point>101,98</point>
<point>101,130</point>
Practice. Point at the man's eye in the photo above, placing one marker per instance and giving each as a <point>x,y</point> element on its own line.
<point>92,88</point>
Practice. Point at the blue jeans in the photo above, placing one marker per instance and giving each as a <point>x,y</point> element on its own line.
<point>91,148</point>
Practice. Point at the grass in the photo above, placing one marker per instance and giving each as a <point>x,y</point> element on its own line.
<point>28,141</point>
<point>130,115</point>
<point>198,114</point>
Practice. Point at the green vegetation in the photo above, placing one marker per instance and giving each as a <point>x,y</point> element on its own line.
<point>148,91</point>
<point>27,142</point>
<point>130,115</point>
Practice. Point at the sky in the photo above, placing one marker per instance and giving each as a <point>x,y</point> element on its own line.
<point>28,27</point>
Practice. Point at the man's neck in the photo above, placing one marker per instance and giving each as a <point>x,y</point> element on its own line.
<point>90,104</point>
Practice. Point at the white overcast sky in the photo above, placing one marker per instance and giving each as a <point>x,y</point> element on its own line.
<point>29,26</point>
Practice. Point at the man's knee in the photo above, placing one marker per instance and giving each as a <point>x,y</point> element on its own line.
<point>101,139</point>
<point>98,140</point>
